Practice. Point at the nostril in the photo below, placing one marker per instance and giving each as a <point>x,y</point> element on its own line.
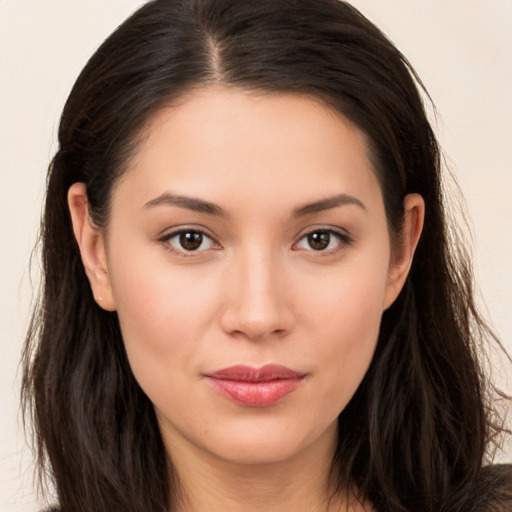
<point>257,300</point>
<point>240,325</point>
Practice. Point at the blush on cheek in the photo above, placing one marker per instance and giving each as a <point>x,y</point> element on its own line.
<point>156,304</point>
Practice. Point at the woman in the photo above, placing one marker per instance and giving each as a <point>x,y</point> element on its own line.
<point>250,301</point>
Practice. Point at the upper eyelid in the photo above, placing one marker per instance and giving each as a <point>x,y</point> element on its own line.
<point>345,239</point>
<point>172,232</point>
<point>165,242</point>
<point>331,229</point>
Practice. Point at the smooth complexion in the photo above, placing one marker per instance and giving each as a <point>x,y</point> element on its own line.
<point>248,230</point>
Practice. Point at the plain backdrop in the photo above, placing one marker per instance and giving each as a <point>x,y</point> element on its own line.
<point>460,48</point>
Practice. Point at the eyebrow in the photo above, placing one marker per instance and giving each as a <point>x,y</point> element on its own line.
<point>327,204</point>
<point>201,206</point>
<point>190,203</point>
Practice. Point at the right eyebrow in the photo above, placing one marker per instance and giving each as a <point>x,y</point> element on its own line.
<point>190,203</point>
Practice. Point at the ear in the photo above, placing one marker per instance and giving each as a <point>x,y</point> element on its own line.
<point>91,243</point>
<point>402,255</point>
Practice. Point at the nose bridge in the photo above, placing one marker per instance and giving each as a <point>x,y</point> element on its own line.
<point>257,302</point>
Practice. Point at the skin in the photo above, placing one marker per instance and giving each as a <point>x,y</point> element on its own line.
<point>255,292</point>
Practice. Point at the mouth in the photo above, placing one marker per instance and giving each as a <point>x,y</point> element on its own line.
<point>255,387</point>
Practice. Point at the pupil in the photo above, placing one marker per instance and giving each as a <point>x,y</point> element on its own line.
<point>191,240</point>
<point>319,240</point>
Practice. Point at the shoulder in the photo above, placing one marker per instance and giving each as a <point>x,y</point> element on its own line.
<point>493,491</point>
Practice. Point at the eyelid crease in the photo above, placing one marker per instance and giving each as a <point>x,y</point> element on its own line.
<point>170,231</point>
<point>345,240</point>
<point>165,242</point>
<point>341,232</point>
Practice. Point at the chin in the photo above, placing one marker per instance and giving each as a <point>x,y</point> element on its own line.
<point>263,443</point>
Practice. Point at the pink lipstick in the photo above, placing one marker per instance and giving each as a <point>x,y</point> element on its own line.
<point>255,387</point>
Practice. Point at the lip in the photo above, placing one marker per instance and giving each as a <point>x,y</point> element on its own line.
<point>255,387</point>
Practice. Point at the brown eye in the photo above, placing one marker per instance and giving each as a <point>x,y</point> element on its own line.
<point>188,241</point>
<point>324,241</point>
<point>191,240</point>
<point>319,240</point>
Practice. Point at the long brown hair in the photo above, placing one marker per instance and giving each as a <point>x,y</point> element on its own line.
<point>414,435</point>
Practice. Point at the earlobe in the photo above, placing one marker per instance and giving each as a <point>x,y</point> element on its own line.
<point>402,256</point>
<point>91,243</point>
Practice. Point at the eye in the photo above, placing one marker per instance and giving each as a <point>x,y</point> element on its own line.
<point>187,241</point>
<point>323,240</point>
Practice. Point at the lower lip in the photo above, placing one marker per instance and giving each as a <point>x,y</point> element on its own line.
<point>255,394</point>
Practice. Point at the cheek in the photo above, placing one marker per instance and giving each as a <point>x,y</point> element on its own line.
<point>163,315</point>
<point>346,318</point>
<point>349,301</point>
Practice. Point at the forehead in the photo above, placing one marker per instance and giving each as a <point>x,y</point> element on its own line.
<point>220,143</point>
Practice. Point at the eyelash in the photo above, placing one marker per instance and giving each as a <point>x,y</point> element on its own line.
<point>167,244</point>
<point>344,240</point>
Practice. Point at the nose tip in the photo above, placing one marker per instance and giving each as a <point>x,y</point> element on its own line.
<point>253,329</point>
<point>255,318</point>
<point>257,305</point>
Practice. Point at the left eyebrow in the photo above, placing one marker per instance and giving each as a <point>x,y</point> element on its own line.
<point>327,204</point>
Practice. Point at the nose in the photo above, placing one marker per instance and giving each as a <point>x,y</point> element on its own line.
<point>258,302</point>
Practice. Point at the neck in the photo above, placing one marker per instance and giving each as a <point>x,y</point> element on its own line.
<point>302,483</point>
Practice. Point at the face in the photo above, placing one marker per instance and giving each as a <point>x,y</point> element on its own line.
<point>249,262</point>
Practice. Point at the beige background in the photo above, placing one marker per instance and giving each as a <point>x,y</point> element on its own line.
<point>461,49</point>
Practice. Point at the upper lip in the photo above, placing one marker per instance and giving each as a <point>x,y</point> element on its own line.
<point>266,373</point>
